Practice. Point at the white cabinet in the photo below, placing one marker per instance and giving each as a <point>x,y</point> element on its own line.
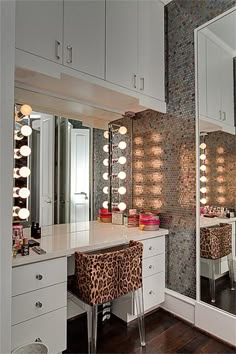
<point>215,79</point>
<point>39,28</point>
<point>84,36</point>
<point>135,46</point>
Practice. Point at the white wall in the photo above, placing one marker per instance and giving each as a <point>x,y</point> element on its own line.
<point>7,58</point>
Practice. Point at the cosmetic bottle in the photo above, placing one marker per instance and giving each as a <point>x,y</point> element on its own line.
<point>33,229</point>
<point>37,234</point>
<point>25,247</point>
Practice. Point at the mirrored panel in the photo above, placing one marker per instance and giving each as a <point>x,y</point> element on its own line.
<point>216,53</point>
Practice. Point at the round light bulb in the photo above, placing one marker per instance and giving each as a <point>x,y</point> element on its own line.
<point>202,146</point>
<point>106,134</point>
<point>105,190</point>
<point>121,175</point>
<point>202,157</point>
<point>122,130</point>
<point>26,109</point>
<point>24,193</point>
<point>106,148</point>
<point>203,179</point>
<point>203,200</point>
<point>122,145</point>
<point>122,206</point>
<point>105,162</point>
<point>23,213</point>
<point>203,167</point>
<point>24,172</point>
<point>122,190</point>
<point>122,160</point>
<point>25,150</point>
<point>26,130</point>
<point>105,204</point>
<point>203,190</point>
<point>105,176</point>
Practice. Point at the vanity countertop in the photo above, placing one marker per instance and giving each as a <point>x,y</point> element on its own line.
<point>65,239</point>
<point>206,222</point>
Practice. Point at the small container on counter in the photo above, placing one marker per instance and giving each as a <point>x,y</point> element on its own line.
<point>149,221</point>
<point>35,230</point>
<point>232,213</point>
<point>25,247</point>
<point>105,215</point>
<point>131,219</point>
<point>117,218</point>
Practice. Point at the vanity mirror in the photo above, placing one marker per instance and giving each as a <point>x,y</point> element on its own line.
<point>216,173</point>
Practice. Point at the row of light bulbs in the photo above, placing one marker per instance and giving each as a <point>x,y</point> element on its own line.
<point>121,205</point>
<point>203,178</point>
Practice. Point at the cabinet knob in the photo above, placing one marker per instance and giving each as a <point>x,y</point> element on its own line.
<point>38,340</point>
<point>39,304</point>
<point>150,292</point>
<point>39,277</point>
<point>150,267</point>
<point>150,248</point>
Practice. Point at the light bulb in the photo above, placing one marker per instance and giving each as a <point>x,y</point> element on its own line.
<point>105,176</point>
<point>203,190</point>
<point>202,146</point>
<point>203,200</point>
<point>122,206</point>
<point>21,172</point>
<point>121,175</point>
<point>24,193</point>
<point>202,157</point>
<point>122,130</point>
<point>106,148</point>
<point>122,160</point>
<point>26,109</point>
<point>122,190</point>
<point>122,145</point>
<point>203,167</point>
<point>25,150</point>
<point>26,130</point>
<point>105,204</point>
<point>106,134</point>
<point>105,190</point>
<point>203,179</point>
<point>23,213</point>
<point>105,162</point>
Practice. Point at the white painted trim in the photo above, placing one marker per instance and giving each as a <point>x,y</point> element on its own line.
<point>179,305</point>
<point>215,19</point>
<point>212,36</point>
<point>7,69</point>
<point>216,322</point>
<point>165,2</point>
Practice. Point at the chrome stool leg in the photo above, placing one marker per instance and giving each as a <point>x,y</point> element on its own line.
<point>231,271</point>
<point>212,280</point>
<point>138,295</point>
<point>92,328</point>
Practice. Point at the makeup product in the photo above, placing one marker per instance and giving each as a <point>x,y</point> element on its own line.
<point>25,247</point>
<point>33,243</point>
<point>38,250</point>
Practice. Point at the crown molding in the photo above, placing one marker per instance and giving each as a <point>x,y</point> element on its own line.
<point>165,2</point>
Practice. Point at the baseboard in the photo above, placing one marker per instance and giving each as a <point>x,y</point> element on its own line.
<point>179,305</point>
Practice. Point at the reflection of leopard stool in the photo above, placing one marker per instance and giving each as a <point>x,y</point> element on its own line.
<point>215,243</point>
<point>104,277</point>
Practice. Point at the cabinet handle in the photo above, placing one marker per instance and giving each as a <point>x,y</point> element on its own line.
<point>58,44</point>
<point>69,48</point>
<point>220,115</point>
<point>224,116</point>
<point>150,267</point>
<point>150,248</point>
<point>38,340</point>
<point>39,304</point>
<point>135,81</point>
<point>39,277</point>
<point>141,83</point>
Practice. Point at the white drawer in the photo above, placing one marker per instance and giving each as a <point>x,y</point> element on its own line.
<point>50,328</point>
<point>38,302</point>
<point>153,265</point>
<point>153,290</point>
<point>38,275</point>
<point>153,246</point>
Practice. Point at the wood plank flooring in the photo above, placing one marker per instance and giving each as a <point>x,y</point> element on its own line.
<point>164,334</point>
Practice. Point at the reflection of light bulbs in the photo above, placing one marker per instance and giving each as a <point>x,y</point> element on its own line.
<point>106,134</point>
<point>203,167</point>
<point>26,130</point>
<point>105,176</point>
<point>122,145</point>
<point>105,162</point>
<point>21,172</point>
<point>23,151</point>
<point>15,210</point>
<point>23,213</point>
<point>203,190</point>
<point>121,175</point>
<point>105,190</point>
<point>203,200</point>
<point>202,157</point>
<point>26,110</point>
<point>105,204</point>
<point>203,179</point>
<point>202,146</point>
<point>21,192</point>
<point>106,148</point>
<point>121,190</point>
<point>122,206</point>
<point>122,130</point>
<point>122,160</point>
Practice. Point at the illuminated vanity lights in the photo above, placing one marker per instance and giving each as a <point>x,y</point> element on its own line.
<point>203,167</point>
<point>24,151</point>
<point>105,204</point>
<point>122,130</point>
<point>203,146</point>
<point>105,162</point>
<point>106,134</point>
<point>21,192</point>
<point>106,148</point>
<point>121,190</point>
<point>203,200</point>
<point>203,179</point>
<point>22,213</point>
<point>122,160</point>
<point>25,131</point>
<point>202,157</point>
<point>121,175</point>
<point>105,176</point>
<point>203,190</point>
<point>122,206</point>
<point>21,172</point>
<point>105,190</point>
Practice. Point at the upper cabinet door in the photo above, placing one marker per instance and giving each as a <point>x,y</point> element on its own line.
<point>151,66</point>
<point>39,28</point>
<point>227,88</point>
<point>122,42</point>
<point>84,36</point>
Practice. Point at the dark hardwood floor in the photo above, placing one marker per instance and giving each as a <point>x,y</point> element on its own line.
<point>164,334</point>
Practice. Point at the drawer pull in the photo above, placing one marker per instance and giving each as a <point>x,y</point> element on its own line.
<point>150,267</point>
<point>38,340</point>
<point>150,292</point>
<point>150,248</point>
<point>39,277</point>
<point>39,304</point>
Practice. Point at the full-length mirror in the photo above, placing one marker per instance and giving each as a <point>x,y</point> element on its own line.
<point>216,52</point>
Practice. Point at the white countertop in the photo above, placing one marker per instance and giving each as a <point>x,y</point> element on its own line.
<point>65,239</point>
<point>206,222</point>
